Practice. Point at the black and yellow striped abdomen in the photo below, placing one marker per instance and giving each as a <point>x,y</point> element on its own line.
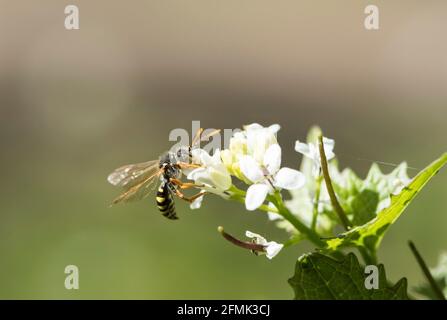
<point>165,202</point>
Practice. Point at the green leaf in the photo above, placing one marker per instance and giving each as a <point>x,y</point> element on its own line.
<point>364,206</point>
<point>363,199</point>
<point>319,277</point>
<point>371,233</point>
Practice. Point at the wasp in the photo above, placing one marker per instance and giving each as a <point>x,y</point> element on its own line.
<point>138,180</point>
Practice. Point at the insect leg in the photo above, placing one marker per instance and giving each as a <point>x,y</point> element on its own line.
<point>185,165</point>
<point>189,199</point>
<point>185,185</point>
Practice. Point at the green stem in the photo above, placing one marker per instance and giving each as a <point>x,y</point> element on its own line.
<point>337,207</point>
<point>281,209</point>
<point>301,227</point>
<point>316,200</point>
<point>293,240</point>
<point>368,258</point>
<point>235,190</point>
<point>438,292</point>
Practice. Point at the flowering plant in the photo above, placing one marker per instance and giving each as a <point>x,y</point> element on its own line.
<point>322,200</point>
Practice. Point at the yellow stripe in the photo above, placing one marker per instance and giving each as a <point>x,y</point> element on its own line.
<point>160,199</point>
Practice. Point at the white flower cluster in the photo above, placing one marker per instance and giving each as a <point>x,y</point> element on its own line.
<point>254,157</point>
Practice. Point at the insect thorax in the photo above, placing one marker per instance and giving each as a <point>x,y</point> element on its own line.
<point>183,154</point>
<point>169,163</point>
<point>165,159</point>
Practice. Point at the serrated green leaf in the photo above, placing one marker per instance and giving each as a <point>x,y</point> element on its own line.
<point>363,199</point>
<point>371,233</point>
<point>360,199</point>
<point>319,277</point>
<point>364,206</point>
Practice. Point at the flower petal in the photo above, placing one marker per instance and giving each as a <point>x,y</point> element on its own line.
<point>238,143</point>
<point>274,128</point>
<point>197,203</point>
<point>251,169</point>
<point>201,157</point>
<point>220,177</point>
<point>206,159</point>
<point>201,176</point>
<point>252,126</point>
<point>289,179</point>
<point>273,215</point>
<point>273,248</point>
<point>239,135</point>
<point>252,235</point>
<point>215,158</point>
<point>328,145</point>
<point>258,238</point>
<point>303,148</point>
<point>272,158</point>
<point>227,157</point>
<point>256,195</point>
<point>258,140</point>
<point>194,174</point>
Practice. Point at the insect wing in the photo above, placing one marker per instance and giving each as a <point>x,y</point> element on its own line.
<point>137,180</point>
<point>132,174</point>
<point>139,191</point>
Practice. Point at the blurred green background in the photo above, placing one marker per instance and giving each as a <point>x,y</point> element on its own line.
<point>76,104</point>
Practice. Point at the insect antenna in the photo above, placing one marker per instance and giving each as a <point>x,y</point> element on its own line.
<point>197,137</point>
